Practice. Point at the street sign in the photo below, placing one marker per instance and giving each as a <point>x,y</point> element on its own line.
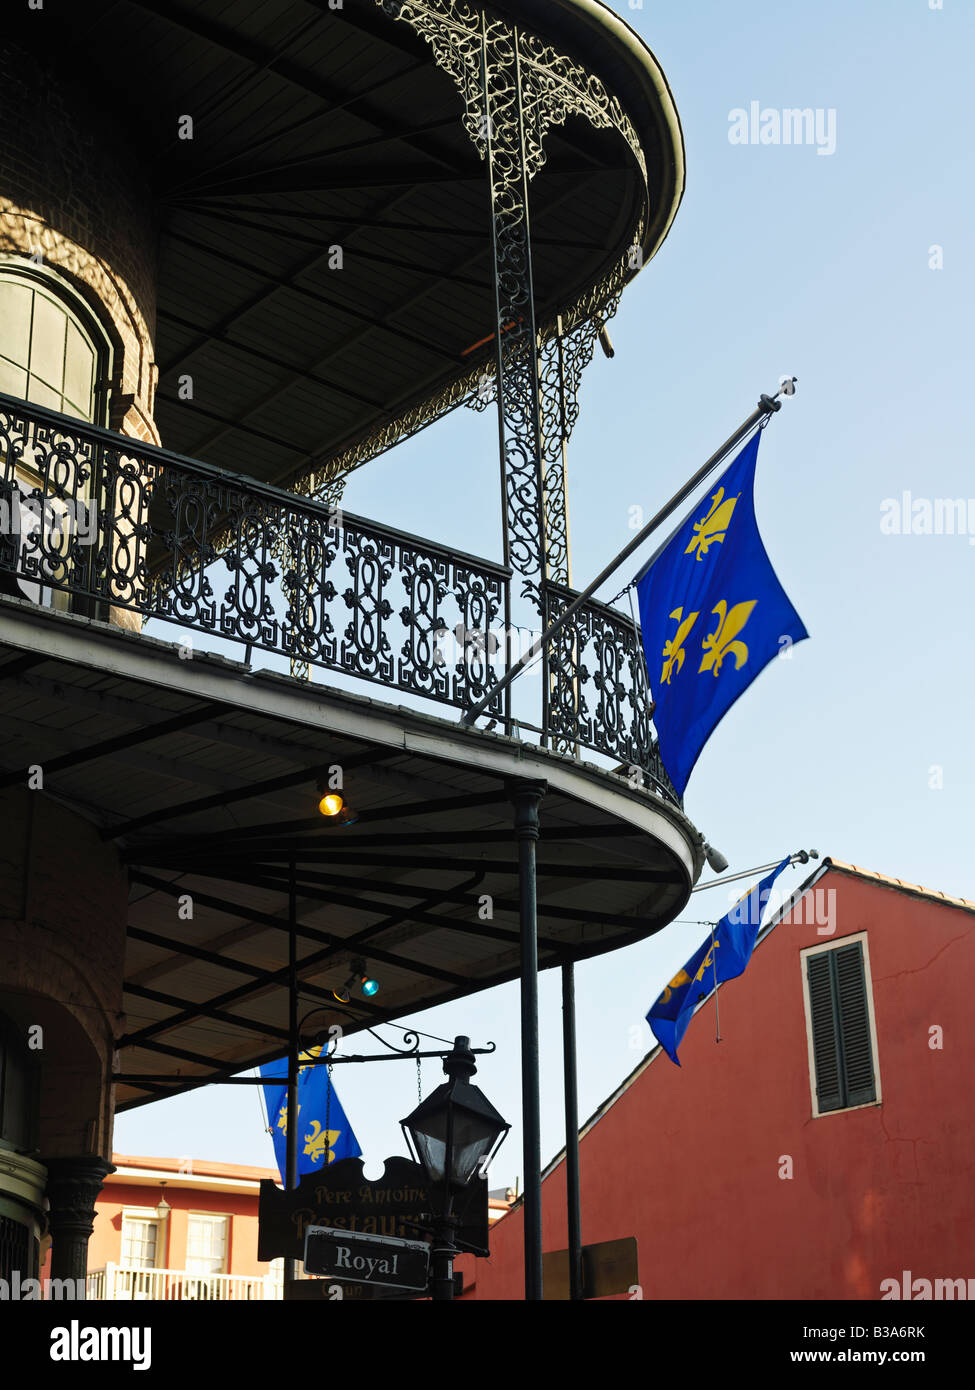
<point>397,1204</point>
<point>375,1260</point>
<point>332,1291</point>
<point>608,1267</point>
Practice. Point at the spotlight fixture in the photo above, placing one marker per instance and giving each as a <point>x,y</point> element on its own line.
<point>715,859</point>
<point>605,341</point>
<point>333,807</point>
<point>358,979</point>
<point>331,804</point>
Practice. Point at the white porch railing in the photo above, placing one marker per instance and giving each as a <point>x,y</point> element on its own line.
<point>116,1282</point>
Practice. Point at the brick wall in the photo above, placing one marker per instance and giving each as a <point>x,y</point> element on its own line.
<point>63,898</point>
<point>71,187</point>
<point>72,193</point>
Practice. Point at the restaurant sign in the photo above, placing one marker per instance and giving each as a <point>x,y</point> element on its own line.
<point>340,1198</point>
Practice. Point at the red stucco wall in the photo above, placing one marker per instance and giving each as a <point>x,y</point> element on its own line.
<point>688,1160</point>
<point>106,1240</point>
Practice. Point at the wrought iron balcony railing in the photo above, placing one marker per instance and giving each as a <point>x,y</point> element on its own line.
<point>97,522</point>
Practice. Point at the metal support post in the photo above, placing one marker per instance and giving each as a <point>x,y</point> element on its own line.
<point>291,1152</point>
<point>573,1203</point>
<point>526,797</point>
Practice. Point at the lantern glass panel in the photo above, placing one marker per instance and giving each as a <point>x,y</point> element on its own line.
<point>473,1137</point>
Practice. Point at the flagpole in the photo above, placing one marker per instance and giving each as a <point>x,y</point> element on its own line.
<point>767,406</point>
<point>801,856</point>
<point>714,967</point>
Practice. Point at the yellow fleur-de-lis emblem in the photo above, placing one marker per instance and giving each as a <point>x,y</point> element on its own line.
<point>681,978</point>
<point>714,526</point>
<point>308,1059</point>
<point>721,642</point>
<point>283,1116</point>
<point>674,649</point>
<point>318,1140</point>
<point>708,961</point>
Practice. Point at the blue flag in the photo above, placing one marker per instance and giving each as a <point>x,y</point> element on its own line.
<point>313,1142</point>
<point>723,956</point>
<point>713,616</point>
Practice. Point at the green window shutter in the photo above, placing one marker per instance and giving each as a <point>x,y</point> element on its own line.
<point>840,1020</point>
<point>825,1033</point>
<point>855,1042</point>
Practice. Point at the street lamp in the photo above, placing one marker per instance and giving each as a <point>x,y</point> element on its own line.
<point>453,1134</point>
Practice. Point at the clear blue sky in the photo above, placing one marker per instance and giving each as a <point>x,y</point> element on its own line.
<point>780,260</point>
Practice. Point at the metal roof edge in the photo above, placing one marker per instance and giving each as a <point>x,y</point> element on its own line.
<point>581,24</point>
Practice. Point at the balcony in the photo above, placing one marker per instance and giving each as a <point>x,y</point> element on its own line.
<point>102,525</point>
<point>390,211</point>
<point>115,1283</point>
<point>200,773</point>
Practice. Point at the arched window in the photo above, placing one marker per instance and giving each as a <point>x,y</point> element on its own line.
<point>51,353</point>
<point>19,1109</point>
<point>19,1086</point>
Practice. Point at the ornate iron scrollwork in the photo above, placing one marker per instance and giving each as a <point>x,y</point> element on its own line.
<point>293,577</point>
<point>563,359</point>
<point>599,695</point>
<point>240,560</point>
<point>508,139</point>
<point>515,87</point>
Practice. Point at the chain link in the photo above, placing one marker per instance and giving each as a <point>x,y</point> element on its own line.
<point>328,1110</point>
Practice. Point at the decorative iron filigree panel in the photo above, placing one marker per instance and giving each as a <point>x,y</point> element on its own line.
<point>599,697</point>
<point>512,146</point>
<point>563,359</point>
<point>237,559</point>
<point>515,87</point>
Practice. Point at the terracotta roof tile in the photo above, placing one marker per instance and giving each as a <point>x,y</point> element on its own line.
<point>900,883</point>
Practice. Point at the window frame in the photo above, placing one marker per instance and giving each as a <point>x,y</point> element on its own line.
<point>226,1218</point>
<point>150,1216</point>
<point>819,949</point>
<point>60,288</point>
<point>56,286</point>
<point>20,1089</point>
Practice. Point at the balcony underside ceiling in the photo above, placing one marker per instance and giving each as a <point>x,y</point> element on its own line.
<point>317,128</point>
<point>203,774</point>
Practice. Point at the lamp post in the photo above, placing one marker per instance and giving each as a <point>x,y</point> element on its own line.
<point>453,1134</point>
